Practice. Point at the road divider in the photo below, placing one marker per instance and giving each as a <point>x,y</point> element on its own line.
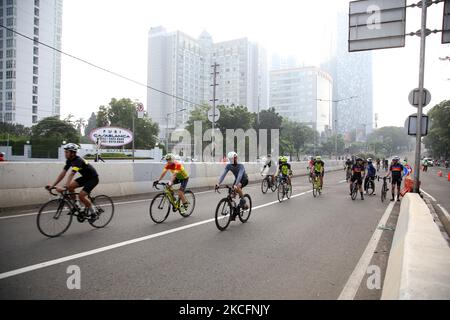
<point>419,260</point>
<point>22,184</point>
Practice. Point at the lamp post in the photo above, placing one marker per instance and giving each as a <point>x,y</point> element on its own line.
<point>167,127</point>
<point>336,118</point>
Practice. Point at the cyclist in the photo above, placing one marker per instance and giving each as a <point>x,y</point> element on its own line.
<point>272,168</point>
<point>358,174</point>
<point>348,168</point>
<point>371,174</point>
<point>241,178</point>
<point>396,170</point>
<point>284,169</point>
<point>179,176</point>
<point>319,169</point>
<point>310,166</point>
<point>378,164</point>
<point>88,180</point>
<point>386,164</point>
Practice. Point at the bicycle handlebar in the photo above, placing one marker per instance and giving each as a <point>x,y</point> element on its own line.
<point>155,185</point>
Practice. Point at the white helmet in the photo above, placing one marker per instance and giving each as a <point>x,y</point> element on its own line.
<point>72,147</point>
<point>232,155</point>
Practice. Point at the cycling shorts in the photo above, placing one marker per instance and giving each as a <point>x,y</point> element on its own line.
<point>397,181</point>
<point>244,182</point>
<point>87,184</point>
<point>183,183</point>
<point>357,178</point>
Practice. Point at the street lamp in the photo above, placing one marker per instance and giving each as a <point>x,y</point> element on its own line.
<point>336,118</point>
<point>167,127</point>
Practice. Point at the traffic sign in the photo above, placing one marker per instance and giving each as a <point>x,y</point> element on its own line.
<point>140,110</point>
<point>211,116</point>
<point>411,125</point>
<point>414,98</point>
<point>376,24</point>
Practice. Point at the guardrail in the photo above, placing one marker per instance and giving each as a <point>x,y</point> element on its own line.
<point>22,183</point>
<point>419,261</point>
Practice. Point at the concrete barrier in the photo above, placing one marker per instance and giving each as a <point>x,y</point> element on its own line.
<point>22,183</point>
<point>419,261</point>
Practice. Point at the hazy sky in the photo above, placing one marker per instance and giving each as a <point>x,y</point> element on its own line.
<point>113,34</point>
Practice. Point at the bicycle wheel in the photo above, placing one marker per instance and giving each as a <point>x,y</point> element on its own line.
<point>264,186</point>
<point>281,191</point>
<point>190,197</point>
<point>274,186</point>
<point>223,214</point>
<point>315,193</point>
<point>289,191</point>
<point>244,215</point>
<point>105,209</point>
<point>54,218</point>
<point>383,193</point>
<point>354,191</point>
<point>159,208</point>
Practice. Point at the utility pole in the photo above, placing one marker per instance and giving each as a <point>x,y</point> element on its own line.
<point>423,36</point>
<point>214,100</point>
<point>134,134</point>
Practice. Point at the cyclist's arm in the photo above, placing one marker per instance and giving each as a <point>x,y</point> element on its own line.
<point>240,175</point>
<point>163,174</point>
<point>223,175</point>
<point>70,178</point>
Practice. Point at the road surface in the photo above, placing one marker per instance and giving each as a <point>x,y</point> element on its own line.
<point>303,248</point>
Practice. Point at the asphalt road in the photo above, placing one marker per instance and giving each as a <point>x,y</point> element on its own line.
<point>303,248</point>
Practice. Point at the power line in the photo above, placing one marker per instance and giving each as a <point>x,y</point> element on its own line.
<point>98,67</point>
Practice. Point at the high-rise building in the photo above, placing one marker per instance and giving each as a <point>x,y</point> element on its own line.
<point>353,77</point>
<point>303,95</point>
<point>30,74</point>
<point>182,66</point>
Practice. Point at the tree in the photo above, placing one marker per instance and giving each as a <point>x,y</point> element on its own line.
<point>49,134</point>
<point>438,139</point>
<point>390,139</point>
<point>120,113</point>
<point>14,129</point>
<point>294,137</point>
<point>91,124</point>
<point>80,124</point>
<point>329,146</point>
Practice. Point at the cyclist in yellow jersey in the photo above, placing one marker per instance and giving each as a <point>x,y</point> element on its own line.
<point>179,176</point>
<point>319,169</point>
<point>284,169</point>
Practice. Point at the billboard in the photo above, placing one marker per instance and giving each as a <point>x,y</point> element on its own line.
<point>111,136</point>
<point>446,23</point>
<point>376,24</point>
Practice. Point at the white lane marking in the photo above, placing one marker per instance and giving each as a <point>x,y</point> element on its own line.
<point>118,245</point>
<point>357,276</point>
<point>444,211</point>
<point>429,195</point>
<point>342,181</point>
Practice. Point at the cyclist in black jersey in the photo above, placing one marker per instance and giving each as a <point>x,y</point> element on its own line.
<point>88,180</point>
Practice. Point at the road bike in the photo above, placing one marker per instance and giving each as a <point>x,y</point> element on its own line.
<point>369,186</point>
<point>166,200</point>
<point>355,188</point>
<point>55,216</point>
<point>316,186</point>
<point>284,188</point>
<point>227,210</point>
<point>267,184</point>
<point>384,188</point>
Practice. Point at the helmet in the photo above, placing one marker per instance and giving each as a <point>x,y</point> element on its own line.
<point>311,158</point>
<point>318,158</point>
<point>396,158</point>
<point>284,159</point>
<point>232,155</point>
<point>269,156</point>
<point>72,147</point>
<point>359,159</point>
<point>369,160</point>
<point>169,157</point>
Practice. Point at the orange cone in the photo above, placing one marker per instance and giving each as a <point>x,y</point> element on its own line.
<point>448,177</point>
<point>439,174</point>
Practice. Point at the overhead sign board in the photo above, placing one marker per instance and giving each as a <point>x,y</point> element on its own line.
<point>411,125</point>
<point>446,23</point>
<point>376,24</point>
<point>414,98</point>
<point>111,136</point>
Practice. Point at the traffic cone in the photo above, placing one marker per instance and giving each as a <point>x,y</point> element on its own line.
<point>440,174</point>
<point>448,177</point>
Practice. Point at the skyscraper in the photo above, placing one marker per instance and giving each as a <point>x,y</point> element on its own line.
<point>182,66</point>
<point>303,95</point>
<point>30,74</point>
<point>353,77</point>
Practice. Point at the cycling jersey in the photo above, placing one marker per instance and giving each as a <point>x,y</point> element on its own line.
<point>397,170</point>
<point>348,164</point>
<point>358,169</point>
<point>371,171</point>
<point>81,166</point>
<point>319,166</point>
<point>284,168</point>
<point>238,172</point>
<point>177,169</point>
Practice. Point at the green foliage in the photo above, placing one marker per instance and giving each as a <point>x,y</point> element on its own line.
<point>294,137</point>
<point>329,145</point>
<point>120,113</point>
<point>389,141</point>
<point>438,139</point>
<point>91,124</point>
<point>48,135</point>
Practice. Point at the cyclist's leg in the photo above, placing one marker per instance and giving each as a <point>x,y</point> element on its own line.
<point>88,186</point>
<point>75,184</point>
<point>183,185</point>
